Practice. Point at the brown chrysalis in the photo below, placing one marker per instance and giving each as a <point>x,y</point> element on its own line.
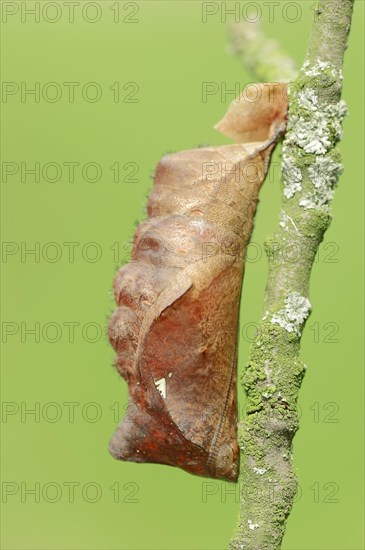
<point>175,327</point>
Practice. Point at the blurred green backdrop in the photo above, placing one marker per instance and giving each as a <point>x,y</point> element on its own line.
<point>117,85</point>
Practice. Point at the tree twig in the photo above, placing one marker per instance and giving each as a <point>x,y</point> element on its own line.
<point>272,379</point>
<point>264,57</point>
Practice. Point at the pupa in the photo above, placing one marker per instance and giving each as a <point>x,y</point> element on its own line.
<point>176,323</point>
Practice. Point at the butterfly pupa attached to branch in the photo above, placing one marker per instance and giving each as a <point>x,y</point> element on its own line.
<point>176,324</point>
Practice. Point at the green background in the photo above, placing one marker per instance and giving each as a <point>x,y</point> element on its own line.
<point>169,53</point>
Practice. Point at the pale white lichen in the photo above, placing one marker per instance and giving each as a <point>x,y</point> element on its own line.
<point>292,175</point>
<point>318,132</point>
<point>312,135</point>
<point>308,99</point>
<point>338,111</point>
<point>323,173</point>
<point>285,221</point>
<point>252,525</point>
<point>317,68</point>
<point>259,471</point>
<point>296,311</point>
<point>316,127</point>
<point>308,202</point>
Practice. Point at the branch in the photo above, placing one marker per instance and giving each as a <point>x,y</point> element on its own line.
<point>310,169</point>
<point>263,57</point>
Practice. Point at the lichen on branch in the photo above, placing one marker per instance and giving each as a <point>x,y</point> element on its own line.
<point>264,58</point>
<point>311,167</point>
